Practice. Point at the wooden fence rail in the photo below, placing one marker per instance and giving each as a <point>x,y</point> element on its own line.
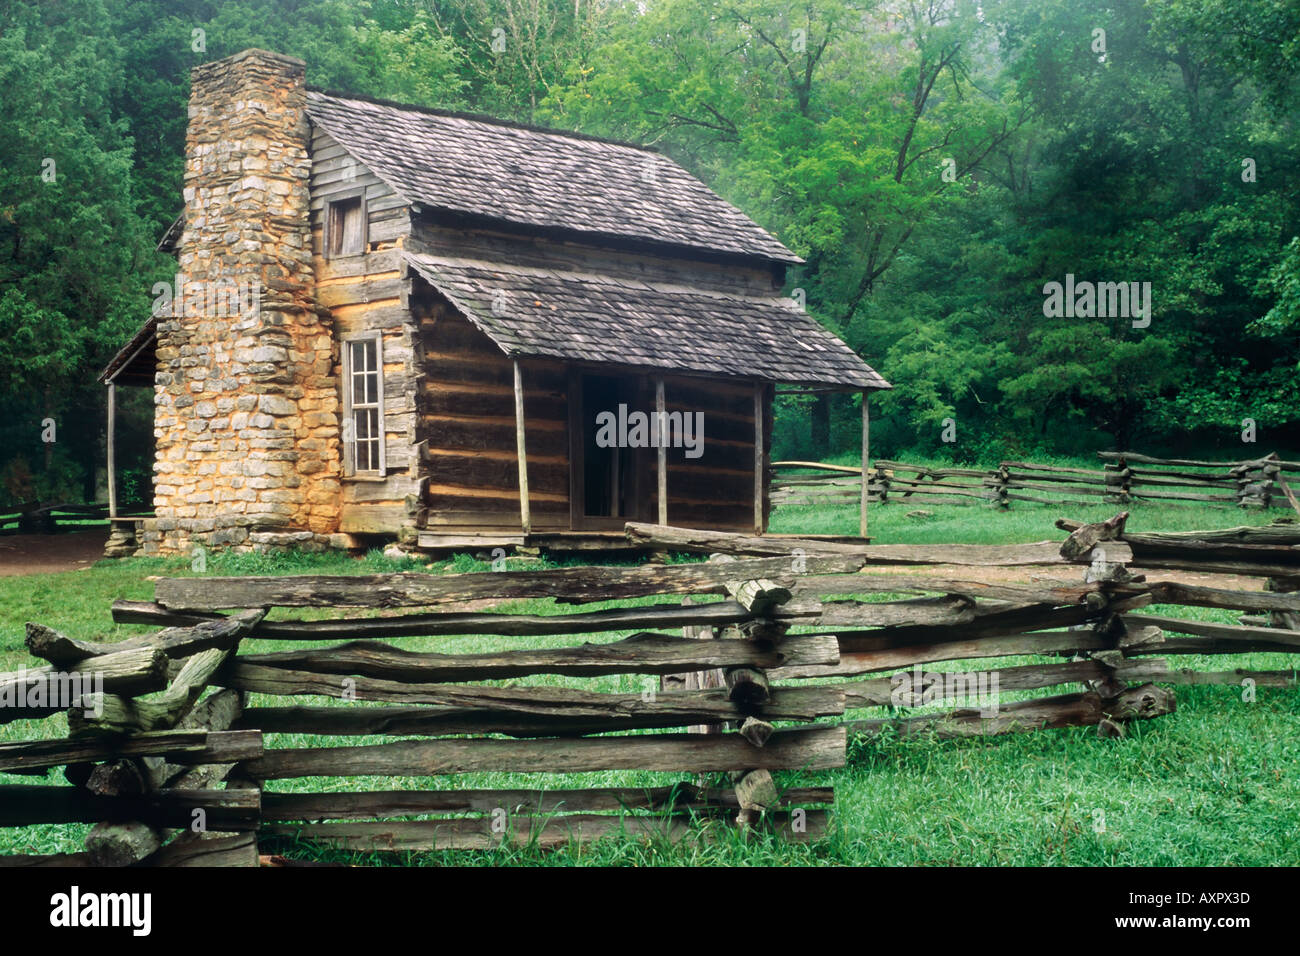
<point>1124,477</point>
<point>727,692</point>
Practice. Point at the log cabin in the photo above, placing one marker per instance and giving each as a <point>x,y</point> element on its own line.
<point>463,331</point>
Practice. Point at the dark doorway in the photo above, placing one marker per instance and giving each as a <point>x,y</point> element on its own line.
<point>605,492</point>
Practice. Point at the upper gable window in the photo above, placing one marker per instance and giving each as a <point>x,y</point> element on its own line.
<point>345,227</point>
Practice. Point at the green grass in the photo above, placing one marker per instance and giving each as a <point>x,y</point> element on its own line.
<point>1215,783</point>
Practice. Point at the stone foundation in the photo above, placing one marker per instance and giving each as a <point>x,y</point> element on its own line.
<point>246,404</point>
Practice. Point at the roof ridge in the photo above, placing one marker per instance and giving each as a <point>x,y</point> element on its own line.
<point>486,118</point>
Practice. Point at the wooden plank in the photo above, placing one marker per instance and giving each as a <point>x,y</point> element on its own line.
<point>42,691</point>
<point>179,746</point>
<point>460,833</point>
<point>112,450</point>
<point>883,691</point>
<point>820,748</point>
<point>511,624</point>
<point>643,653</point>
<point>220,632</point>
<point>521,451</point>
<point>229,810</point>
<point>661,455</point>
<point>569,585</point>
<point>942,611</point>
<point>347,805</point>
<point>1043,713</point>
<point>1174,592</point>
<point>419,625</point>
<point>191,850</point>
<point>1053,592</point>
<point>538,716</point>
<point>866,466</point>
<point>892,658</point>
<point>760,455</point>
<point>1221,632</point>
<point>973,555</point>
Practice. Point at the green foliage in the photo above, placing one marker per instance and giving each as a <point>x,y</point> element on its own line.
<point>935,165</point>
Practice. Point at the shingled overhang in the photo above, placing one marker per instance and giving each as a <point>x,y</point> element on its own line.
<point>607,320</point>
<point>134,362</point>
<point>556,182</point>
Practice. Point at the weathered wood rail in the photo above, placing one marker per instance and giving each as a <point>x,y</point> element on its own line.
<point>777,652</point>
<point>1124,477</point>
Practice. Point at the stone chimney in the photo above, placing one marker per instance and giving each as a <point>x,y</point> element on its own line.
<point>246,406</point>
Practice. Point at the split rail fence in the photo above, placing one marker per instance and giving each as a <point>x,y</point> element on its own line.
<point>744,688</point>
<point>1124,477</point>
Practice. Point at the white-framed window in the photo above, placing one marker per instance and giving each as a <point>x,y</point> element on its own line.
<point>363,404</point>
<point>345,226</point>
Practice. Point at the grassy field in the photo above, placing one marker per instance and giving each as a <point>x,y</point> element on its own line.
<point>1215,783</point>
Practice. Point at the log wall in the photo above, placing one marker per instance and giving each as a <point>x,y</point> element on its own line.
<point>466,427</point>
<point>365,293</point>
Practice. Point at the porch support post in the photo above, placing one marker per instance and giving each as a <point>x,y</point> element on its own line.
<point>866,475</point>
<point>112,449</point>
<point>662,451</point>
<point>759,456</point>
<point>524,516</point>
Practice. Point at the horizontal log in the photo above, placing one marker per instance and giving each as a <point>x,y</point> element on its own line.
<point>1155,670</point>
<point>1148,460</point>
<point>1173,592</point>
<point>1073,489</point>
<point>893,658</point>
<point>813,749</point>
<point>191,850</point>
<point>42,691</point>
<point>992,619</point>
<point>569,585</point>
<point>1057,469</point>
<point>179,746</point>
<point>346,805</point>
<point>944,611</point>
<point>1044,713</point>
<point>644,653</point>
<point>514,711</point>
<point>976,555</point>
<point>460,833</point>
<point>446,623</point>
<point>886,691</point>
<point>1221,632</point>
<point>1055,593</point>
<point>818,466</point>
<point>230,810</point>
<point>1215,645</point>
<point>887,465</point>
<point>217,633</point>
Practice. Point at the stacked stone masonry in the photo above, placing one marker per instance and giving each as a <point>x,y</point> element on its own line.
<point>247,409</point>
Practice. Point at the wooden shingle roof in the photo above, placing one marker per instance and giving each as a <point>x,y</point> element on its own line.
<point>610,320</point>
<point>477,166</point>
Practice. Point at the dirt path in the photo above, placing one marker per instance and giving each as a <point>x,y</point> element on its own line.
<point>47,553</point>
